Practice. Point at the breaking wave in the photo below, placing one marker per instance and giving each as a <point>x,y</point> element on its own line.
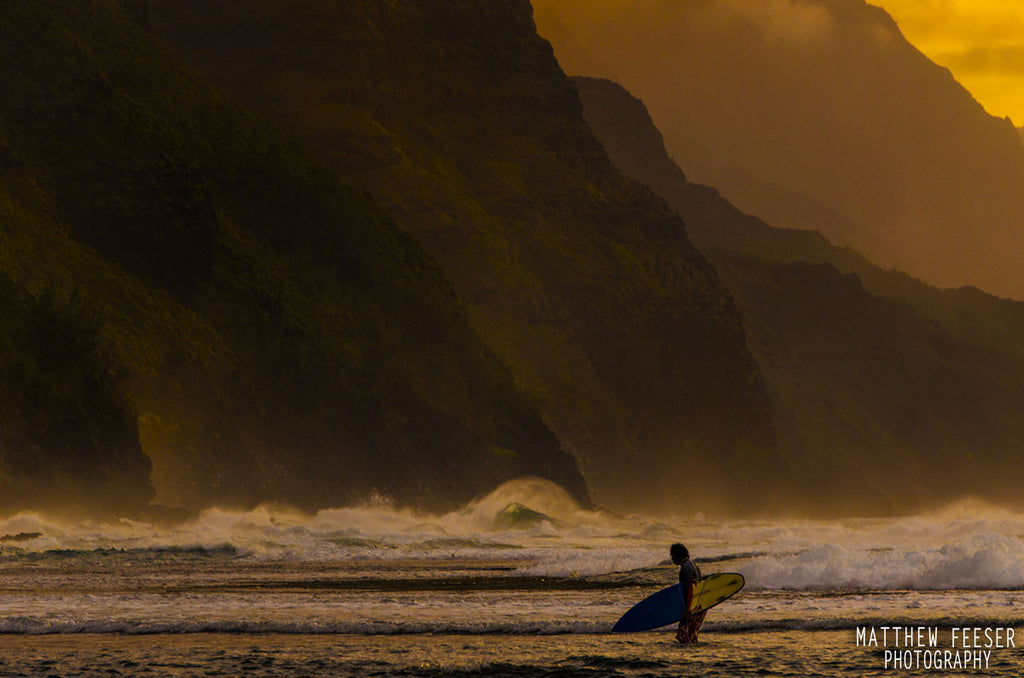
<point>536,529</point>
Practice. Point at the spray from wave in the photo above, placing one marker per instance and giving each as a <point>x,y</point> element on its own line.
<point>538,530</point>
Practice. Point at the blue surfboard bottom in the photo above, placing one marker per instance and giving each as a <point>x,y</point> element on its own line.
<point>662,608</point>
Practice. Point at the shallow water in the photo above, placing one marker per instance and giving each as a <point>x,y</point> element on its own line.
<point>495,590</point>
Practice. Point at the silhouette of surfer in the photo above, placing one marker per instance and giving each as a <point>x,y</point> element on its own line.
<point>689,625</point>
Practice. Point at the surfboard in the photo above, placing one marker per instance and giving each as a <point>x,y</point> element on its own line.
<point>666,606</point>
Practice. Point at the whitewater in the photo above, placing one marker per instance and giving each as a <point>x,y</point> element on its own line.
<point>522,582</point>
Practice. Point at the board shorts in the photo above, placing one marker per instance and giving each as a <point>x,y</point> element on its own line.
<point>688,630</point>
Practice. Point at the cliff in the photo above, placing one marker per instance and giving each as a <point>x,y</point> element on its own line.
<point>283,339</point>
<point>459,117</point>
<point>67,431</point>
<point>887,394</point>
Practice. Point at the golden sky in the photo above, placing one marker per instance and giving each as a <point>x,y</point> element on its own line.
<point>980,41</point>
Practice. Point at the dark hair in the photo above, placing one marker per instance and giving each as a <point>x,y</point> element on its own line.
<point>678,551</point>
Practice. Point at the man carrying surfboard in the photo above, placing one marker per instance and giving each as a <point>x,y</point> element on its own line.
<point>685,602</point>
<point>689,625</point>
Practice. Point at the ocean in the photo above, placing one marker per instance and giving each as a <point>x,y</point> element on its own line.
<point>519,583</point>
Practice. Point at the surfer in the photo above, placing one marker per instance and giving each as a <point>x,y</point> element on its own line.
<point>688,573</point>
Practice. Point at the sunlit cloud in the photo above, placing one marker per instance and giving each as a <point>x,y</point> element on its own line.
<point>1000,59</point>
<point>980,41</point>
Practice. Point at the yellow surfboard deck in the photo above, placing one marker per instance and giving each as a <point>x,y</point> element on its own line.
<point>711,590</point>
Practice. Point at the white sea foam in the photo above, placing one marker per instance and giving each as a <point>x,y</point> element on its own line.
<point>536,526</point>
<point>966,546</point>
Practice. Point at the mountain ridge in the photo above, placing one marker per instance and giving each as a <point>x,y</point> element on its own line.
<point>887,399</point>
<point>969,314</point>
<point>827,100</point>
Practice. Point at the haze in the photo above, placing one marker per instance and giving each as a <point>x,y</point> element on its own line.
<point>818,115</point>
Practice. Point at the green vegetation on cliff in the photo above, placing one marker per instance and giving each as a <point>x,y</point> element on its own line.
<point>457,115</point>
<point>284,340</point>
<point>68,439</point>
